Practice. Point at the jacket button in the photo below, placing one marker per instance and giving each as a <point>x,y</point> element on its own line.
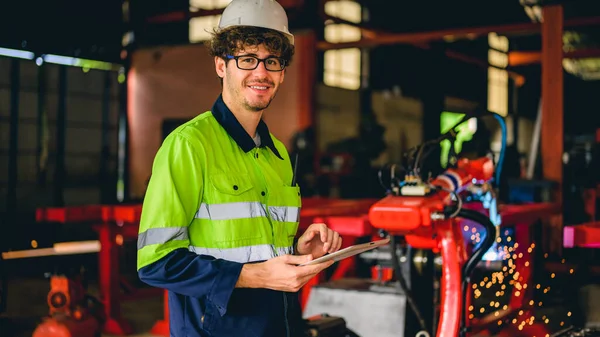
<point>257,155</point>
<point>235,187</point>
<point>262,193</point>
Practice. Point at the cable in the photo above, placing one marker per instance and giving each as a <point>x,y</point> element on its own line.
<point>476,257</point>
<point>452,133</point>
<point>418,159</point>
<point>420,155</point>
<point>380,178</point>
<point>426,154</point>
<point>459,202</point>
<point>404,287</point>
<point>393,183</point>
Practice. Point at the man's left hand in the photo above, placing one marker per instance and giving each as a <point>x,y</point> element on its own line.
<point>319,240</point>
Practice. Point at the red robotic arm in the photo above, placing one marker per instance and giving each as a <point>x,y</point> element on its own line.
<point>414,211</point>
<point>418,213</point>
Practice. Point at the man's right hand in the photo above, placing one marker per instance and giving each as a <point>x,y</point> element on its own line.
<point>281,273</point>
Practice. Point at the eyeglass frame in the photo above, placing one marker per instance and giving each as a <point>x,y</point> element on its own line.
<point>281,60</point>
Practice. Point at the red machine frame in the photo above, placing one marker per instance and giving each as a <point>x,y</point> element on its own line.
<point>117,223</point>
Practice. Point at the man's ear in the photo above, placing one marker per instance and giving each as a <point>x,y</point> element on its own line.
<point>220,66</point>
<point>282,76</point>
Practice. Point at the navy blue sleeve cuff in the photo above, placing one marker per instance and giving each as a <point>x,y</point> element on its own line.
<point>189,274</point>
<point>224,285</point>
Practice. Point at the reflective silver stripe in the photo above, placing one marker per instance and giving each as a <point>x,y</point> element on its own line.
<point>229,211</point>
<point>242,254</point>
<point>284,213</point>
<point>161,235</point>
<point>245,210</point>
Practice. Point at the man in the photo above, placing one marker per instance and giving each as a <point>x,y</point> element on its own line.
<point>221,213</point>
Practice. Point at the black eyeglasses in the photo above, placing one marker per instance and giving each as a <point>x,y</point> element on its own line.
<point>248,62</point>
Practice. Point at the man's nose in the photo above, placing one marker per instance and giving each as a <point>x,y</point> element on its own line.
<point>262,68</point>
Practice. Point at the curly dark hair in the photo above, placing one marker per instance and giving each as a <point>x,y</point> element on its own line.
<point>230,40</point>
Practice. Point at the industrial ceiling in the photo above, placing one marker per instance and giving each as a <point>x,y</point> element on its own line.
<point>94,29</point>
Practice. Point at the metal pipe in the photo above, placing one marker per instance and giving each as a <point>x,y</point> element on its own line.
<point>105,141</point>
<point>42,128</point>
<point>61,121</point>
<point>15,89</point>
<point>451,300</point>
<point>123,136</point>
<point>62,248</point>
<point>535,143</point>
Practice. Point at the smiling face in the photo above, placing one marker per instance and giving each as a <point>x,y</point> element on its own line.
<point>250,90</point>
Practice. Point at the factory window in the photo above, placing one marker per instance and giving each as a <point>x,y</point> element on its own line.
<point>342,66</point>
<point>498,91</point>
<point>497,75</point>
<point>200,27</point>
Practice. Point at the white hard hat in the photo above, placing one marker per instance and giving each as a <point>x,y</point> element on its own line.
<point>258,13</point>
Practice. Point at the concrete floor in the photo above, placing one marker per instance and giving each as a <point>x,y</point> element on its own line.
<point>27,305</point>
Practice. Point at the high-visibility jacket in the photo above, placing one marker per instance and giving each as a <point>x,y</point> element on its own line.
<point>214,202</point>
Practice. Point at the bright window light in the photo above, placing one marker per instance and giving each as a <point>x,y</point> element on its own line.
<point>498,79</point>
<point>342,66</point>
<point>202,26</point>
<point>209,4</point>
<point>344,9</point>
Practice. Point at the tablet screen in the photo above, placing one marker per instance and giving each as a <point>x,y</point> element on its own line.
<point>348,252</point>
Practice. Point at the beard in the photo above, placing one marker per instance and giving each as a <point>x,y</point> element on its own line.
<point>253,103</point>
<point>259,105</point>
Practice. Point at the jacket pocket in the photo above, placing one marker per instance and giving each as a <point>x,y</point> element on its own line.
<point>231,184</point>
<point>231,206</point>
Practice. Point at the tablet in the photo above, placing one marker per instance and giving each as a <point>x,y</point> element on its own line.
<point>348,252</point>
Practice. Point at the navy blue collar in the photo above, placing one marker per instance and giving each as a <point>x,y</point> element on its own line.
<point>233,127</point>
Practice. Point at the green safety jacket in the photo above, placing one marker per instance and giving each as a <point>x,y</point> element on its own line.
<point>214,202</point>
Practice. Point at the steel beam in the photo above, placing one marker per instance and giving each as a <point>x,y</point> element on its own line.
<point>177,16</point>
<point>374,33</point>
<point>367,32</point>
<point>523,58</point>
<point>518,78</point>
<point>552,123</point>
<point>454,34</point>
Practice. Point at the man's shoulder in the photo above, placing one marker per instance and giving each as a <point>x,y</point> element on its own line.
<point>198,123</point>
<point>195,127</point>
<point>192,131</point>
